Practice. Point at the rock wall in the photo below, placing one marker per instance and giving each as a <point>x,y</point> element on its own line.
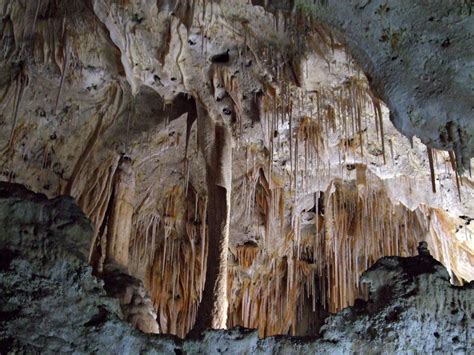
<point>51,302</point>
<point>99,100</point>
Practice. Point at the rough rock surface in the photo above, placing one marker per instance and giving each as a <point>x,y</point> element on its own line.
<point>411,307</point>
<point>50,301</point>
<point>135,302</point>
<point>406,52</point>
<point>99,100</point>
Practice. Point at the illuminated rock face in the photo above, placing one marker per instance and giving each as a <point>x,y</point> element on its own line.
<point>50,301</point>
<point>247,138</point>
<point>405,52</point>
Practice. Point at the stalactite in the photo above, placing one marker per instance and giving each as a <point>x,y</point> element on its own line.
<point>33,26</point>
<point>432,171</point>
<point>351,240</point>
<point>119,228</point>
<point>173,242</point>
<point>269,279</point>
<point>232,88</point>
<point>64,66</point>
<point>379,118</point>
<point>355,228</point>
<point>246,254</point>
<point>453,160</point>
<point>311,133</point>
<point>22,81</point>
<point>94,200</point>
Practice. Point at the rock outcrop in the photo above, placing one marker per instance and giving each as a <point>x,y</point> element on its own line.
<point>51,302</point>
<point>135,303</point>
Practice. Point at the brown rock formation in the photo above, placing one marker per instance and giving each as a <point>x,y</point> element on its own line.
<point>119,231</point>
<point>294,178</point>
<point>217,150</point>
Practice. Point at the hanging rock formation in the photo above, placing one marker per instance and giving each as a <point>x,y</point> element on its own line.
<point>426,98</point>
<point>215,141</point>
<point>50,301</point>
<point>243,162</point>
<point>119,226</point>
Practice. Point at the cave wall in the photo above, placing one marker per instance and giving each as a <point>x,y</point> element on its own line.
<point>51,302</point>
<point>318,165</point>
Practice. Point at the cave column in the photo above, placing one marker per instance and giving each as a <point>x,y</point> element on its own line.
<point>215,142</point>
<point>119,229</point>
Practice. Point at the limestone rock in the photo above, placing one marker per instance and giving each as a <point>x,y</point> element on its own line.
<point>340,117</point>
<point>135,302</point>
<point>50,301</point>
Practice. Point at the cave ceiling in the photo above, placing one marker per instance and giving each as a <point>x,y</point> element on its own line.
<point>351,138</point>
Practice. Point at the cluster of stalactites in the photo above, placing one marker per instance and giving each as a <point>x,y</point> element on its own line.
<point>269,291</point>
<point>360,226</point>
<point>298,124</point>
<point>270,286</point>
<point>171,244</point>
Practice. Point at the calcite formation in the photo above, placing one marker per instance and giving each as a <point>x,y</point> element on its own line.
<point>245,161</point>
<point>51,302</point>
